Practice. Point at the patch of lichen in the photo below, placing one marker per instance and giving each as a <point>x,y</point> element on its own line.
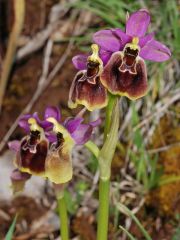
<point>166,198</point>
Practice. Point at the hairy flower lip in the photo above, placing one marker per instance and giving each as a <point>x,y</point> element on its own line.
<point>32,162</point>
<point>127,82</point>
<point>88,92</point>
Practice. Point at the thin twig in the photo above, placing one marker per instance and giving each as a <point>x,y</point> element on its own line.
<point>164,148</point>
<point>19,10</point>
<point>159,110</point>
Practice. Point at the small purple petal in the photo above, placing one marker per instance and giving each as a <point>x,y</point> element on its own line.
<point>45,125</point>
<point>51,137</point>
<point>155,51</point>
<point>52,112</point>
<point>122,36</point>
<point>23,122</point>
<point>82,134</point>
<point>80,61</point>
<point>137,24</point>
<point>107,40</point>
<point>96,123</point>
<point>14,145</point>
<point>16,175</point>
<point>84,131</point>
<point>146,39</point>
<point>72,124</point>
<point>105,56</point>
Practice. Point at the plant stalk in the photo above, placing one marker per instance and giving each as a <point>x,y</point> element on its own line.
<point>103,211</point>
<point>109,109</point>
<point>63,217</point>
<point>105,158</point>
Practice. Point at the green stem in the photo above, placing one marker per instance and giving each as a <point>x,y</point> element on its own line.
<point>103,212</point>
<point>109,109</point>
<point>92,148</point>
<point>105,158</point>
<point>63,218</point>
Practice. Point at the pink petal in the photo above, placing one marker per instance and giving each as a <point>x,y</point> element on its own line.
<point>84,131</point>
<point>155,51</point>
<point>80,61</point>
<point>122,36</point>
<point>144,40</point>
<point>16,175</point>
<point>14,145</point>
<point>82,134</point>
<point>52,112</point>
<point>72,124</point>
<point>96,123</point>
<point>105,56</point>
<point>137,24</point>
<point>107,40</point>
<point>23,122</point>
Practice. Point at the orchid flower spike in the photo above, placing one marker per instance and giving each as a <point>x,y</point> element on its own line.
<point>86,88</point>
<point>47,148</point>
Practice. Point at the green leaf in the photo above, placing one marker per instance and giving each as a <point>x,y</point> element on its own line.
<point>10,232</point>
<point>128,233</point>
<point>123,209</point>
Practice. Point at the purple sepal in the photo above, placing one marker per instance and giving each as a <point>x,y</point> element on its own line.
<point>105,56</point>
<point>23,122</point>
<point>14,145</point>
<point>155,51</point>
<point>96,123</point>
<point>71,124</point>
<point>137,24</point>
<point>52,112</point>
<point>17,175</point>
<point>122,36</point>
<point>80,61</point>
<point>51,137</point>
<point>83,132</point>
<point>108,40</point>
<point>146,39</point>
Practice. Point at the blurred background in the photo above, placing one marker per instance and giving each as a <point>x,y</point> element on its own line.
<point>39,72</point>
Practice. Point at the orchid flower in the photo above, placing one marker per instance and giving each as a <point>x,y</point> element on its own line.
<point>49,156</point>
<point>125,72</point>
<point>86,88</point>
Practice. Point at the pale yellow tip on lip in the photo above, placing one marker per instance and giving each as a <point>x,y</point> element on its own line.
<point>52,120</point>
<point>134,44</point>
<point>34,125</point>
<point>135,40</point>
<point>95,55</point>
<point>95,48</point>
<point>57,127</point>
